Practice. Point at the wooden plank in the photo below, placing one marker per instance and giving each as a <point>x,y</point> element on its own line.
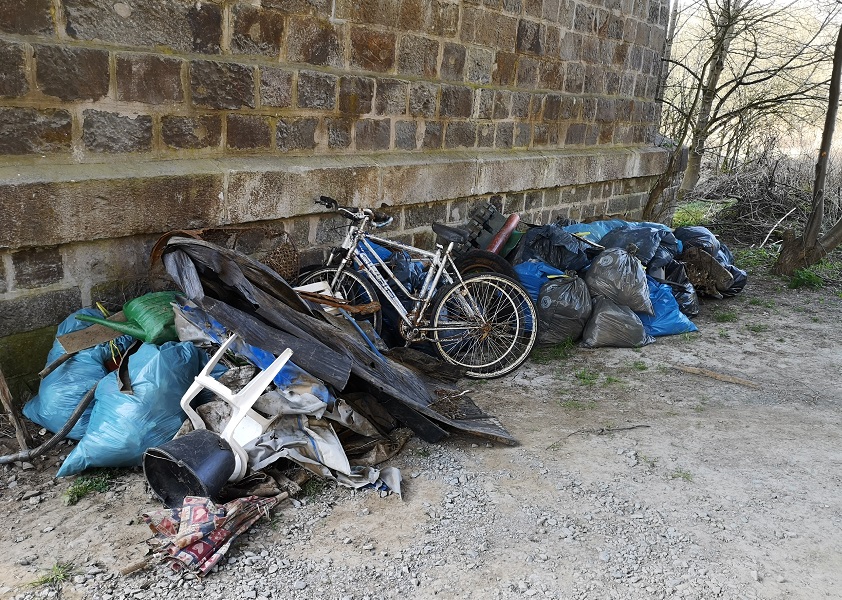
<point>90,336</point>
<point>20,430</point>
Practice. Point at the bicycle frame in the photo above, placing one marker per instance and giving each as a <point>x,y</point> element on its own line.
<point>358,237</point>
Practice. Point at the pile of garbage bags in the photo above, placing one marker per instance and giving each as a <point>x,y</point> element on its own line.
<point>621,283</point>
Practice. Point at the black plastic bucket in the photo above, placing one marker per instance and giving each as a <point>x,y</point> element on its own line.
<point>195,464</point>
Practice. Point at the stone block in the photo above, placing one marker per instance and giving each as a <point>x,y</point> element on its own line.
<point>339,133</point>
<point>72,73</point>
<point>266,194</point>
<point>391,97</point>
<point>574,78</point>
<point>37,267</point>
<point>528,37</point>
<point>584,18</point>
<point>372,50</point>
<point>256,30</point>
<point>435,17</point>
<point>533,8</point>
<point>594,79</point>
<point>26,17</point>
<point>453,62</point>
<point>248,132</point>
<point>297,134</point>
<point>54,213</point>
<point>521,102</point>
<point>275,87</point>
<point>191,132</point>
<point>112,132</point>
<point>552,107</point>
<point>460,134</point>
<point>433,135</point>
<point>605,110</point>
<point>376,12</point>
<point>373,134</point>
<point>491,29</point>
<point>33,311</point>
<point>316,42</point>
<point>12,70</point>
<point>356,95</point>
<point>527,72</point>
<point>221,85</point>
<point>551,75</point>
<point>422,215</point>
<point>591,49</point>
<point>504,135</point>
<point>485,135</point>
<point>612,83</point>
<point>570,46</point>
<point>523,135</point>
<point>502,104</point>
<point>316,90</point>
<point>515,173</point>
<point>183,25</point>
<point>418,56</point>
<point>480,65</point>
<point>148,78</point>
<point>456,101</point>
<point>33,131</point>
<point>505,68</point>
<point>423,99</point>
<point>484,104</point>
<point>405,135</point>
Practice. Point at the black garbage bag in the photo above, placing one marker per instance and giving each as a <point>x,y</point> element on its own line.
<point>655,247</point>
<point>614,325</point>
<point>726,258</point>
<point>682,289</point>
<point>620,277</point>
<point>554,246</point>
<point>564,306</point>
<point>696,236</point>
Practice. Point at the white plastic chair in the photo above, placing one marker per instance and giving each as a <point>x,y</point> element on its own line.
<point>245,424</point>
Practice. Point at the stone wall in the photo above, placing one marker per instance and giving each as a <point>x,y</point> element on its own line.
<point>121,121</point>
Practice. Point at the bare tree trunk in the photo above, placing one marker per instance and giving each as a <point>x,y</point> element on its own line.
<point>721,45</point>
<point>799,252</point>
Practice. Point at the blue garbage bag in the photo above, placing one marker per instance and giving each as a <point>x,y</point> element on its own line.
<point>122,426</point>
<point>61,391</point>
<point>668,319</point>
<point>535,273</point>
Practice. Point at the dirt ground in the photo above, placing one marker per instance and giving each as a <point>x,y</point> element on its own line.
<point>633,479</point>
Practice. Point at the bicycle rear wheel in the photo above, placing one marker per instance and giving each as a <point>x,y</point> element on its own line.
<point>486,324</point>
<point>351,286</point>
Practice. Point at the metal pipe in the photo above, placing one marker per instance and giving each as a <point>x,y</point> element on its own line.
<point>501,237</point>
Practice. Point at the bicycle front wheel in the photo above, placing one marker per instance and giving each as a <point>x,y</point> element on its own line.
<point>350,286</point>
<point>486,324</point>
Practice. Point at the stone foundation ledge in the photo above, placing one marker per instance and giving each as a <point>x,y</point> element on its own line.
<point>53,205</point>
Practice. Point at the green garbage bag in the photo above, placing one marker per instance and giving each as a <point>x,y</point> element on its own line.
<point>149,318</point>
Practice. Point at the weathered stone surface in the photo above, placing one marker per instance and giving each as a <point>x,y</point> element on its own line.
<point>54,213</point>
<point>528,37</point>
<point>405,132</point>
<point>456,101</point>
<point>315,42</point>
<point>485,135</point>
<point>112,132</point>
<point>376,12</point>
<point>248,132</point>
<point>37,267</point>
<point>356,95</point>
<point>434,181</point>
<point>453,62</point>
<point>391,97</point>
<point>418,56</point>
<point>521,103</point>
<point>32,131</point>
<point>12,71</point>
<point>433,135</point>
<point>551,75</point>
<point>221,85</point>
<point>148,78</point>
<point>191,132</point>
<point>504,71</point>
<point>372,50</point>
<point>268,194</point>
<point>490,29</point>
<point>316,90</point>
<point>460,134</point>
<point>179,24</point>
<point>428,16</point>
<point>421,215</point>
<point>26,17</point>
<point>296,134</point>
<point>256,30</point>
<point>480,65</point>
<point>504,135</point>
<point>275,87</point>
<point>523,135</point>
<point>372,134</point>
<point>72,73</point>
<point>527,72</point>
<point>574,79</point>
<point>300,7</point>
<point>423,99</point>
<point>485,104</point>
<point>26,313</point>
<point>339,133</point>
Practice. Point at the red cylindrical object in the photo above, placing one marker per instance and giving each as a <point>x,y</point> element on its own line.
<point>502,236</point>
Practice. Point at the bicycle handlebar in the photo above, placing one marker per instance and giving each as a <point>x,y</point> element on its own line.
<point>378,218</point>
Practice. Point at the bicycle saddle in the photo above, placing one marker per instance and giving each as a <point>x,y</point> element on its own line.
<point>450,234</point>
